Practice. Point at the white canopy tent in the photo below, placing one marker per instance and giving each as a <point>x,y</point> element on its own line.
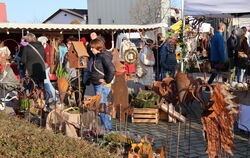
<point>216,8</point>
<point>79,27</point>
<point>74,28</point>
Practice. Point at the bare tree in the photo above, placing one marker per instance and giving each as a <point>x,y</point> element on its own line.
<point>37,20</point>
<point>150,11</point>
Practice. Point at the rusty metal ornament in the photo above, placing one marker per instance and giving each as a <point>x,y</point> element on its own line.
<point>130,56</point>
<point>120,96</point>
<point>218,123</point>
<point>218,115</point>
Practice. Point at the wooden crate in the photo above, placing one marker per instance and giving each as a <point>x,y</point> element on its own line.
<point>145,115</point>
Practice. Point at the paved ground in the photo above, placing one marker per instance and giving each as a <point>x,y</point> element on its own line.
<point>192,143</point>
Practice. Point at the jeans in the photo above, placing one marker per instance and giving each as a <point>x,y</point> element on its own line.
<point>105,118</point>
<point>50,90</point>
<point>104,91</point>
<point>240,74</point>
<point>106,121</point>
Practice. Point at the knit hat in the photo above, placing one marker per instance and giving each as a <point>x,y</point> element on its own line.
<point>43,40</point>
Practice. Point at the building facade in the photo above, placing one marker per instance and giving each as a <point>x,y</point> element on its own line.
<point>67,16</point>
<point>110,11</point>
<point>123,11</point>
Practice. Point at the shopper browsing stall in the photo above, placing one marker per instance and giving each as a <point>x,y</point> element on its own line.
<point>218,54</point>
<point>34,59</point>
<point>102,73</point>
<point>168,60</point>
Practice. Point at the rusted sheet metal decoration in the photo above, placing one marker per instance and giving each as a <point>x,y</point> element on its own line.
<point>182,84</point>
<point>167,90</point>
<point>218,120</point>
<point>117,61</point>
<point>218,115</point>
<point>120,96</point>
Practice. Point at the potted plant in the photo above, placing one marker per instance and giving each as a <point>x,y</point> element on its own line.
<point>62,81</point>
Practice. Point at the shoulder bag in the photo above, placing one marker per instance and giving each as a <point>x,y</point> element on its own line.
<point>45,64</point>
<point>100,72</point>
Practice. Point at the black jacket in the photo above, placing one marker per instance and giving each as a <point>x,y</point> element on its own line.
<point>103,62</point>
<point>232,46</point>
<point>32,61</point>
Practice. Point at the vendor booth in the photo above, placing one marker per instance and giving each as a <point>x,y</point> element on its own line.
<point>222,9</point>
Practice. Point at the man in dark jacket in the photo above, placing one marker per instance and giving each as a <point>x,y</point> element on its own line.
<point>232,50</point>
<point>218,55</point>
<point>157,55</point>
<point>33,61</point>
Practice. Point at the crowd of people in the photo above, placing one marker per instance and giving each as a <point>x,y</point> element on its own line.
<point>231,56</point>
<point>39,57</point>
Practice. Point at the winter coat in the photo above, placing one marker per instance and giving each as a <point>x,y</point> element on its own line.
<point>218,52</point>
<point>102,62</point>
<point>147,61</point>
<point>242,62</point>
<point>232,46</point>
<point>34,64</point>
<point>168,60</point>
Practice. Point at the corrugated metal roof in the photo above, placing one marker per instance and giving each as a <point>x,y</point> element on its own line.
<point>79,26</point>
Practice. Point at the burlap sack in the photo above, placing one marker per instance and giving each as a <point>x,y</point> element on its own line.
<point>60,121</point>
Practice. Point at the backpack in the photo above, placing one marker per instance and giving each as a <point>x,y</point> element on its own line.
<point>128,52</point>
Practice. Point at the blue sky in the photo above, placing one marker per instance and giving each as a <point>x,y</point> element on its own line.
<point>36,11</point>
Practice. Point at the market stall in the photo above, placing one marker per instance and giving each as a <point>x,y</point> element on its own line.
<point>221,9</point>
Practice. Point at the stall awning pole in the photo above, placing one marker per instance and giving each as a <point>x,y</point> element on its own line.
<point>113,39</point>
<point>182,15</point>
<point>183,28</point>
<point>79,35</point>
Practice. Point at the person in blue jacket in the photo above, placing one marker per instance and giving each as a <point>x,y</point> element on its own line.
<point>168,60</point>
<point>218,56</point>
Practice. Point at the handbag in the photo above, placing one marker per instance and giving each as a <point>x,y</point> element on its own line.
<point>45,64</point>
<point>219,66</point>
<point>242,55</point>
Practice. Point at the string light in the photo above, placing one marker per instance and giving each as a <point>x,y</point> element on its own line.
<point>8,32</point>
<point>61,32</point>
